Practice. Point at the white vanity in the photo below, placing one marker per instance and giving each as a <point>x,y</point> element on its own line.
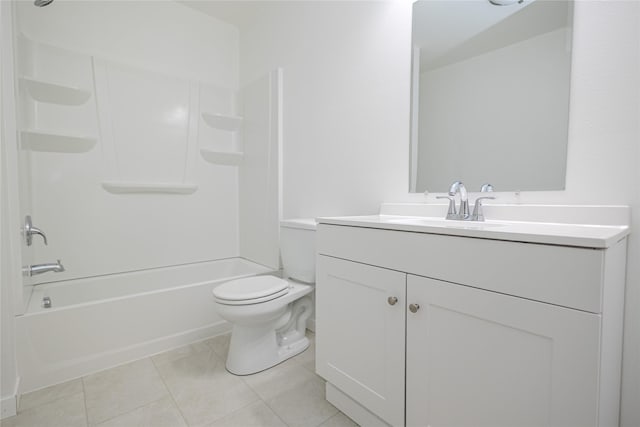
<point>427,322</point>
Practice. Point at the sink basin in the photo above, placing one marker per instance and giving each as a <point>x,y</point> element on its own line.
<point>440,222</point>
<point>582,226</point>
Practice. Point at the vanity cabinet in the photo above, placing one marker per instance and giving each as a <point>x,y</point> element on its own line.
<point>363,350</point>
<point>401,340</point>
<point>479,358</point>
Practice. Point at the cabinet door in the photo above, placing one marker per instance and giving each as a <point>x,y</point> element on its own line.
<point>479,358</point>
<point>360,342</point>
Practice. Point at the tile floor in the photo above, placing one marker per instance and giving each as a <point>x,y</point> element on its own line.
<point>188,386</point>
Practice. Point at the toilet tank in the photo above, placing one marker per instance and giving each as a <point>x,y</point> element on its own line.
<point>298,249</point>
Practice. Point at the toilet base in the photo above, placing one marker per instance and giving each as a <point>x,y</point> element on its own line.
<point>248,356</point>
<point>255,347</point>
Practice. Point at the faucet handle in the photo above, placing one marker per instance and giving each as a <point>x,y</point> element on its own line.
<point>486,188</point>
<point>477,214</point>
<point>30,230</point>
<point>451,212</point>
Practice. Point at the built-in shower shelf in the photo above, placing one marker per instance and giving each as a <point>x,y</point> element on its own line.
<point>36,140</point>
<point>123,187</point>
<point>231,158</point>
<point>223,121</point>
<point>55,93</point>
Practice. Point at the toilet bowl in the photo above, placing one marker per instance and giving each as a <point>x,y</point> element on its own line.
<point>269,314</point>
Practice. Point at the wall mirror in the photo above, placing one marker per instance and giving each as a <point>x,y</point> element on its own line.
<point>490,94</point>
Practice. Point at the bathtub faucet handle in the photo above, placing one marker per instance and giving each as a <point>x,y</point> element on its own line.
<point>30,230</point>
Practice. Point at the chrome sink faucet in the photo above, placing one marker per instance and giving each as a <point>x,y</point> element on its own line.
<point>458,188</point>
<point>462,214</point>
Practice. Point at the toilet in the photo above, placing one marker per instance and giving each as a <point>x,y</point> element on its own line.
<point>269,315</point>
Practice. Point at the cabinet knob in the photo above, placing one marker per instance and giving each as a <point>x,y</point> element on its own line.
<point>392,300</point>
<point>414,307</point>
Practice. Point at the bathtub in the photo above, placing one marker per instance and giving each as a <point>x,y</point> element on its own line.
<point>99,322</point>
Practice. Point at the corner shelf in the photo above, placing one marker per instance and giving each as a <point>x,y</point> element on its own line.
<point>56,142</point>
<point>54,93</point>
<point>124,187</point>
<point>230,158</point>
<point>223,121</point>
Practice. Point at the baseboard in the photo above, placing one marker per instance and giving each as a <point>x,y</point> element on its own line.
<point>9,405</point>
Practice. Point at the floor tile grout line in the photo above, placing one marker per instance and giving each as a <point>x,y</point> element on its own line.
<point>328,418</point>
<point>173,398</point>
<point>276,413</point>
<point>242,377</point>
<point>236,411</point>
<point>296,363</point>
<point>84,398</point>
<point>281,419</point>
<point>125,413</point>
<point>337,414</point>
<point>134,409</point>
<point>209,347</point>
<point>222,358</point>
<point>55,399</point>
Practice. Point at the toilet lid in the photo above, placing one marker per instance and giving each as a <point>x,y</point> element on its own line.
<point>251,288</point>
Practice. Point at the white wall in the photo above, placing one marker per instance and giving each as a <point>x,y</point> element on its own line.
<point>10,274</point>
<point>346,100</point>
<point>346,118</point>
<point>178,61</point>
<point>8,371</point>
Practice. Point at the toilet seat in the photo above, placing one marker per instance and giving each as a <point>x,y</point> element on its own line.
<point>251,290</point>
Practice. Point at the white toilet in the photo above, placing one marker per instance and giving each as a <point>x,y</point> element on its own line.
<point>269,314</point>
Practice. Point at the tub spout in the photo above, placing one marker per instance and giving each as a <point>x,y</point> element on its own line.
<point>32,270</point>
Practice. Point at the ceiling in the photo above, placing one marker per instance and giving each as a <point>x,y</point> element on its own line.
<point>238,13</point>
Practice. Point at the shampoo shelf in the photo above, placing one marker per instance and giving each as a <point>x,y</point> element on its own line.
<point>222,121</point>
<point>56,143</point>
<point>231,158</point>
<point>55,93</point>
<point>123,187</point>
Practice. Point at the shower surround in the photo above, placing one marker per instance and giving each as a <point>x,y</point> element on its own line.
<point>153,174</point>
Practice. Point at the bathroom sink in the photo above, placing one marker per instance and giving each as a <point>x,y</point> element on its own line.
<point>595,234</point>
<point>439,222</point>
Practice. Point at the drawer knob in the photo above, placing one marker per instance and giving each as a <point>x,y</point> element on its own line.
<point>414,307</point>
<point>392,300</point>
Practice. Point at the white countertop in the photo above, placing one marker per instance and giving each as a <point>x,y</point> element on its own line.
<point>580,235</point>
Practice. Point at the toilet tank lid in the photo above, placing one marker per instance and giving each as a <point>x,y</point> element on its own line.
<point>300,223</point>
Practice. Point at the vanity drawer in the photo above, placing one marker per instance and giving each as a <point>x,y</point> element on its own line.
<point>566,276</point>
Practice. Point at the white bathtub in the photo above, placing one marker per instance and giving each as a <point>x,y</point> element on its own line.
<point>99,322</point>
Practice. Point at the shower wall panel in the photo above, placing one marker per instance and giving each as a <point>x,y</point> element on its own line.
<point>111,98</point>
